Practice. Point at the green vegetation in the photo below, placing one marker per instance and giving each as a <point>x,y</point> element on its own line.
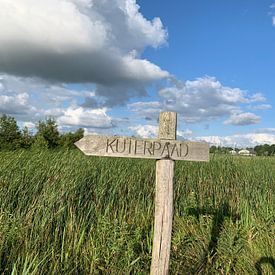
<point>64,213</point>
<point>9,133</point>
<point>259,150</point>
<point>47,135</point>
<point>265,150</point>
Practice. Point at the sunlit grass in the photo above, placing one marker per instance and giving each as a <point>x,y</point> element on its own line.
<point>65,213</point>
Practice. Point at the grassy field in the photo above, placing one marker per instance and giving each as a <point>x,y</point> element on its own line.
<point>65,213</point>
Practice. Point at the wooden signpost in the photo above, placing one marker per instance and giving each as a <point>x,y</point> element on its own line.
<point>165,150</point>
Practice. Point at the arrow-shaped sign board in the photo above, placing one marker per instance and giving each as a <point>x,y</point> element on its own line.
<point>113,146</point>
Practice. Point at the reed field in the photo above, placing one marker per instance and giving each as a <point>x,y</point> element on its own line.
<point>65,213</point>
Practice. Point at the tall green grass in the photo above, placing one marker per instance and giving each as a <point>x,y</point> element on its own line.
<point>65,213</point>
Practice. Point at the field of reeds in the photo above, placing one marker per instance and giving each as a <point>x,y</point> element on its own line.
<point>64,213</point>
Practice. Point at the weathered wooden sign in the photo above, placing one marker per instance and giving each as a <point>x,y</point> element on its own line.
<point>127,147</point>
<point>165,150</point>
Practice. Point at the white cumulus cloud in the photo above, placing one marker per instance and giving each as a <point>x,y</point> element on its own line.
<point>202,99</point>
<point>243,119</point>
<point>80,117</point>
<point>145,131</point>
<point>78,41</point>
<point>30,100</point>
<point>15,104</point>
<point>81,41</point>
<point>151,131</point>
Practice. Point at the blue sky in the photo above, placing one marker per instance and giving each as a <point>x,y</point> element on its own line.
<point>111,66</point>
<point>231,40</point>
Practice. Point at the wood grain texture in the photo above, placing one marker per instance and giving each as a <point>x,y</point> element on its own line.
<point>126,147</point>
<point>167,125</point>
<point>164,200</point>
<point>163,217</point>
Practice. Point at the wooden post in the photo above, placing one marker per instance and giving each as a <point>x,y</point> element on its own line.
<point>164,199</point>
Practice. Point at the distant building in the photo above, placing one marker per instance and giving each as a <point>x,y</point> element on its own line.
<point>233,152</point>
<point>245,152</point>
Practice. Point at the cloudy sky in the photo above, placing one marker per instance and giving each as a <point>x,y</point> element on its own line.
<point>110,66</point>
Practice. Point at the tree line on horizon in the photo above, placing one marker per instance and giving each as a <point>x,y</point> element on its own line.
<point>47,135</point>
<point>259,150</point>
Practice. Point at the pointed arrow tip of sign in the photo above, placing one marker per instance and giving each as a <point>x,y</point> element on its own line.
<point>78,144</point>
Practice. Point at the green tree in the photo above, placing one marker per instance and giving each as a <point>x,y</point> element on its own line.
<point>266,149</point>
<point>47,131</point>
<point>9,133</point>
<point>39,142</point>
<point>272,150</point>
<point>26,140</point>
<point>258,150</point>
<point>262,150</point>
<point>213,149</point>
<point>67,140</point>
